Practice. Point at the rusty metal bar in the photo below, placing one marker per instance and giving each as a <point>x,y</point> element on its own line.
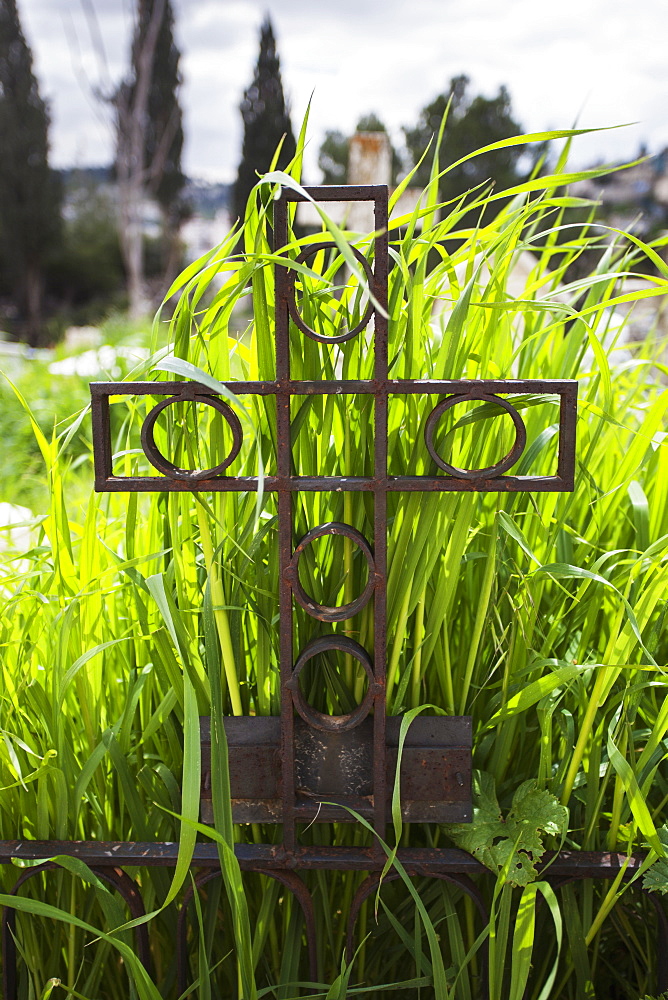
<point>284,466</point>
<point>108,858</point>
<point>119,880</point>
<point>267,387</point>
<point>137,854</point>
<point>286,309</point>
<point>339,484</point>
<point>289,879</point>
<point>380,512</point>
<point>371,884</point>
<point>492,479</point>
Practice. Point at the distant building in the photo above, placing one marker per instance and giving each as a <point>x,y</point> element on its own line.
<point>207,224</point>
<point>210,220</point>
<point>634,198</point>
<point>369,162</point>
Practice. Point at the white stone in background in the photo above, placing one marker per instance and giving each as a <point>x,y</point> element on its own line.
<point>104,360</point>
<point>18,534</point>
<point>199,233</point>
<point>21,352</point>
<point>369,162</point>
<point>16,527</point>
<point>79,337</point>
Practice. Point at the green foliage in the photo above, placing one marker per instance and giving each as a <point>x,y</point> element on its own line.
<point>87,276</point>
<point>512,846</point>
<point>333,157</point>
<point>472,122</point>
<point>55,402</point>
<point>51,399</point>
<point>266,121</point>
<point>656,879</point>
<point>370,123</point>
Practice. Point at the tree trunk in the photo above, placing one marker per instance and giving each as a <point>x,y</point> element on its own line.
<point>171,230</point>
<point>132,109</point>
<point>132,243</point>
<point>33,304</point>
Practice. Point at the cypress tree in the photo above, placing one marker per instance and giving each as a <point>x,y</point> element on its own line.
<point>30,193</point>
<point>149,141</point>
<point>266,120</point>
<point>163,128</point>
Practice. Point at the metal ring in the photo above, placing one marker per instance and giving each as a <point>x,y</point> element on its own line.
<point>492,470</point>
<point>158,460</point>
<point>199,881</point>
<point>323,612</point>
<point>371,883</point>
<point>291,880</point>
<point>302,894</point>
<point>116,877</point>
<point>292,304</point>
<point>319,720</point>
<point>662,920</point>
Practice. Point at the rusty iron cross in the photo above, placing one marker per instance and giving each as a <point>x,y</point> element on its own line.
<point>307,765</point>
<point>283,769</point>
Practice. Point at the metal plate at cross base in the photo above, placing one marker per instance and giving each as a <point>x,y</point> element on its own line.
<point>284,769</point>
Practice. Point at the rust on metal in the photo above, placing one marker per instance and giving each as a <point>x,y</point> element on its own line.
<point>333,770</point>
<point>344,611</point>
<point>158,460</point>
<point>304,765</point>
<point>491,471</point>
<point>288,777</point>
<point>295,315</point>
<point>477,480</point>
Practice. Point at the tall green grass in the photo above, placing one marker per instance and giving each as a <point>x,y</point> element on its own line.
<point>542,616</point>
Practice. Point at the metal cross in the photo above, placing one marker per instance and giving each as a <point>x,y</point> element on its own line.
<point>301,758</point>
<point>283,769</point>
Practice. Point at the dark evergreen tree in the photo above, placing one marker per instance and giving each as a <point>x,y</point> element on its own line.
<point>163,127</point>
<point>333,157</point>
<point>30,193</point>
<point>266,120</point>
<point>471,124</point>
<point>150,140</point>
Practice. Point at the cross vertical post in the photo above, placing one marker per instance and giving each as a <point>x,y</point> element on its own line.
<point>285,305</point>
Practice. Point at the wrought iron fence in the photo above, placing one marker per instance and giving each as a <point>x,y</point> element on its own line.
<point>305,765</point>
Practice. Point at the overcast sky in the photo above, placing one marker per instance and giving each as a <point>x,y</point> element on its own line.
<point>603,62</point>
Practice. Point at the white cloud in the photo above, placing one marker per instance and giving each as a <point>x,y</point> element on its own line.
<point>587,57</point>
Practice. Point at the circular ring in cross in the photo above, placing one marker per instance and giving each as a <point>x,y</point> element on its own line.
<point>323,612</point>
<point>292,304</point>
<point>490,471</point>
<point>162,464</point>
<point>321,720</point>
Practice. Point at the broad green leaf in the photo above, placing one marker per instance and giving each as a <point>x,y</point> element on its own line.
<point>516,843</point>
